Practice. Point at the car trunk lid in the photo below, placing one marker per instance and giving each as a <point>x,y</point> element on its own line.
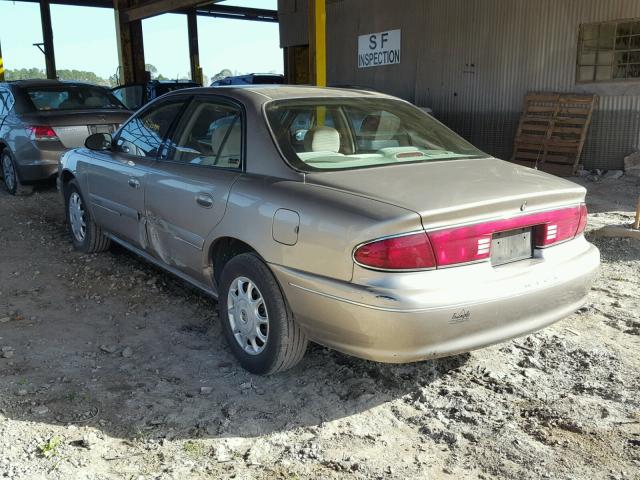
<point>453,192</point>
<point>73,126</point>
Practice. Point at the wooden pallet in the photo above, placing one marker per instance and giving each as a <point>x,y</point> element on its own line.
<point>552,131</point>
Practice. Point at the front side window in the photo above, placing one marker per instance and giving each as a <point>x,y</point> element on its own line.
<point>210,135</point>
<point>142,136</point>
<point>4,101</point>
<point>346,133</point>
<point>72,97</point>
<point>609,51</point>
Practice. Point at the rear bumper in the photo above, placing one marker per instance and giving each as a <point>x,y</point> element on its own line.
<point>38,164</point>
<point>416,316</point>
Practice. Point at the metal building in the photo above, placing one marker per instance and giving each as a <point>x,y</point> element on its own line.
<point>473,61</point>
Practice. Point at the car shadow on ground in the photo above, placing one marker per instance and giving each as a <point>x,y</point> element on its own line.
<point>111,342</point>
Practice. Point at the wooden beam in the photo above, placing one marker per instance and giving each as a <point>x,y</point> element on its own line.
<point>47,39</point>
<point>208,9</point>
<point>218,10</point>
<point>318,42</point>
<point>194,50</point>
<point>130,46</point>
<point>158,7</point>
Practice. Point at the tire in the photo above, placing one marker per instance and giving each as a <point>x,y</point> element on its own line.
<point>90,238</point>
<point>10,175</point>
<point>285,343</point>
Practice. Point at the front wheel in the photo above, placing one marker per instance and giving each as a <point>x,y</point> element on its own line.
<point>86,236</point>
<point>256,320</point>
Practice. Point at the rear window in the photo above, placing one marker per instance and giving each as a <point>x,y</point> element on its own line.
<point>347,133</point>
<point>72,97</point>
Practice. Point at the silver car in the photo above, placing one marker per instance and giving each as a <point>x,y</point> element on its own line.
<point>344,217</point>
<point>40,119</point>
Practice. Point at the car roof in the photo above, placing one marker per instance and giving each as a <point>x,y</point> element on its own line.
<point>266,92</point>
<point>39,82</point>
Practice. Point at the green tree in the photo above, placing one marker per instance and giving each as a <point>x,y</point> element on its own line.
<point>24,74</point>
<point>64,74</point>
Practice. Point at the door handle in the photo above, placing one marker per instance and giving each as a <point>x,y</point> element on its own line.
<point>204,200</point>
<point>134,182</point>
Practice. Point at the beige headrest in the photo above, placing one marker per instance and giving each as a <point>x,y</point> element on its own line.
<point>383,126</point>
<point>322,139</point>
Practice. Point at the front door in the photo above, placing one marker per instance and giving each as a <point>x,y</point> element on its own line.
<point>117,178</point>
<point>187,190</point>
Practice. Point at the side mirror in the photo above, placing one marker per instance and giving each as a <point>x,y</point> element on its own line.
<point>98,141</point>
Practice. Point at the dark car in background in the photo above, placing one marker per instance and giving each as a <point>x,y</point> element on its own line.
<point>251,79</point>
<point>40,119</point>
<point>135,95</point>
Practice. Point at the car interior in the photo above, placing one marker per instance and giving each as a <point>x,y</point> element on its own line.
<point>211,136</point>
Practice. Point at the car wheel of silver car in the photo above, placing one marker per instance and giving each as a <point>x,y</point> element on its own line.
<point>256,320</point>
<point>10,175</point>
<point>86,236</point>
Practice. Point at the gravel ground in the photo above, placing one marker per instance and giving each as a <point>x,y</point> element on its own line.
<point>111,369</point>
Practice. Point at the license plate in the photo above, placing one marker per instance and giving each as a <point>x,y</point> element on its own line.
<point>511,246</point>
<point>101,128</point>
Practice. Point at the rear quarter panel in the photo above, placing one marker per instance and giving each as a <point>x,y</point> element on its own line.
<point>332,223</point>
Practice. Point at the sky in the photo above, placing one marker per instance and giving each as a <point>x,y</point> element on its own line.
<point>85,39</point>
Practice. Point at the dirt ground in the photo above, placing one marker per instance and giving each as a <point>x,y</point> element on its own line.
<point>110,369</point>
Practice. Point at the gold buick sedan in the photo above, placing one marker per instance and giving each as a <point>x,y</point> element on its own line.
<point>343,217</point>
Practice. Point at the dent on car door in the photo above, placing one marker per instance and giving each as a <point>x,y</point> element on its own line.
<point>117,178</point>
<point>187,190</point>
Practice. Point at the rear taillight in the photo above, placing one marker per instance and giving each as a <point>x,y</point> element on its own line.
<point>560,225</point>
<point>584,215</point>
<point>42,132</point>
<point>469,243</point>
<point>407,252</point>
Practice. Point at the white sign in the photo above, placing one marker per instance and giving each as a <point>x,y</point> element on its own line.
<point>377,49</point>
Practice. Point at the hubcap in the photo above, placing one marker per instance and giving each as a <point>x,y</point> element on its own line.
<point>8,173</point>
<point>248,316</point>
<point>76,217</point>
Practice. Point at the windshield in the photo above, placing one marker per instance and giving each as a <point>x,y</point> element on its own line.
<point>345,133</point>
<point>72,97</point>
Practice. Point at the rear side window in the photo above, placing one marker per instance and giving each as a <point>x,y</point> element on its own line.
<point>209,135</point>
<point>143,134</point>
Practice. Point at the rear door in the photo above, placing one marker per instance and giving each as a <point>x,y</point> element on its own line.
<point>187,190</point>
<point>117,178</point>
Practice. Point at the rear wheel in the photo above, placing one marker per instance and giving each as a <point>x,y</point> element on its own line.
<point>86,236</point>
<point>256,320</point>
<point>10,175</point>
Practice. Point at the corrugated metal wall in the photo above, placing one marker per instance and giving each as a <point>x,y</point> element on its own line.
<point>472,62</point>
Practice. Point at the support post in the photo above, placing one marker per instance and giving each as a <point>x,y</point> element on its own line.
<point>47,39</point>
<point>636,224</point>
<point>130,45</point>
<point>1,65</point>
<point>194,50</point>
<point>318,42</point>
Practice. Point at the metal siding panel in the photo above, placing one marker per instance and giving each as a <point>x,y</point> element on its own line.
<point>519,46</point>
<point>347,19</point>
